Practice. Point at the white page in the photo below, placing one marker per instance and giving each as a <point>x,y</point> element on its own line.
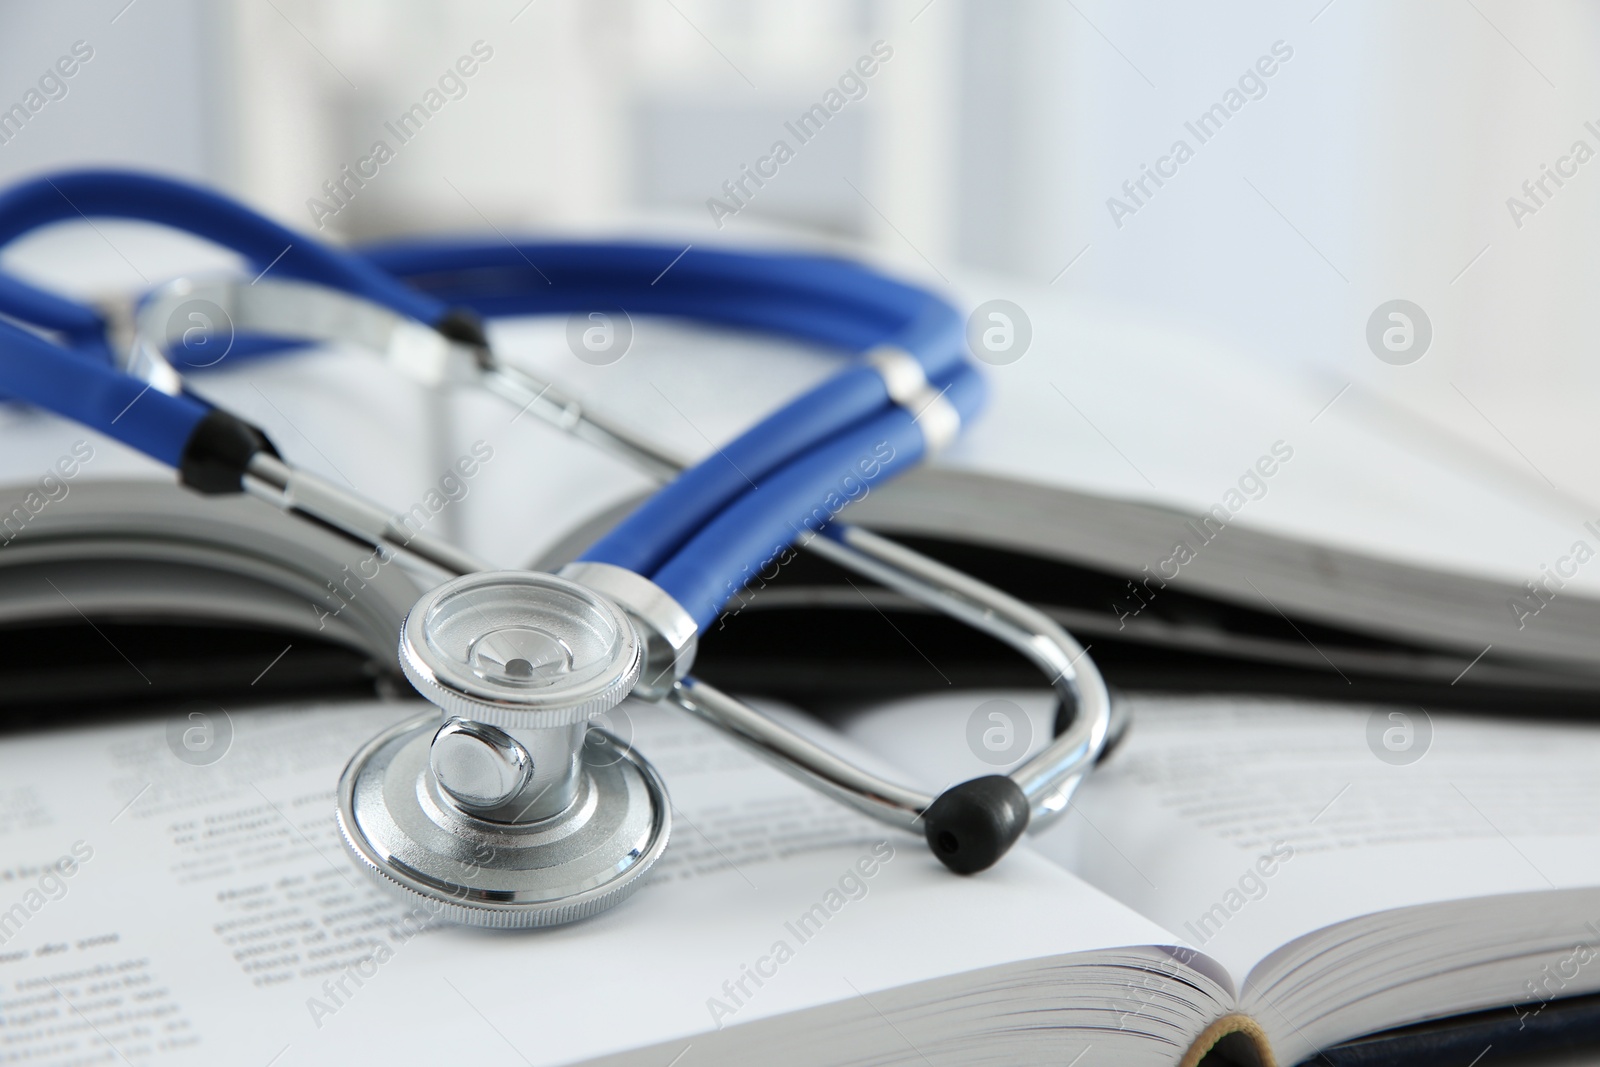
<point>1187,815</point>
<point>209,904</point>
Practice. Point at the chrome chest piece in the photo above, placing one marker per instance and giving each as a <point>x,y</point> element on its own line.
<point>509,809</point>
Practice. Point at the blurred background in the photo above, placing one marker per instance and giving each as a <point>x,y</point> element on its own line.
<point>1383,157</point>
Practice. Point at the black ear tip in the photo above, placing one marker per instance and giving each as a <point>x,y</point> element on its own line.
<point>464,325</point>
<point>973,824</point>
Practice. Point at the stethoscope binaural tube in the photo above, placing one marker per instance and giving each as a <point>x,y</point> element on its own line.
<point>811,298</point>
<point>175,430</point>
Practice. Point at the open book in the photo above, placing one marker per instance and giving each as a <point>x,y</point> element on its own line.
<point>173,891</point>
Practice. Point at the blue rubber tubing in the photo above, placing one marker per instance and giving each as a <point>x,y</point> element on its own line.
<point>803,495</point>
<point>124,194</point>
<point>653,531</point>
<point>89,392</point>
<point>655,277</point>
<point>818,299</point>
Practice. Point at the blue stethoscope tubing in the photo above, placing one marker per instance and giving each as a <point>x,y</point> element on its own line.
<point>700,537</point>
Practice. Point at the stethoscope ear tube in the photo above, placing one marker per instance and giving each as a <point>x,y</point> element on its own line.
<point>211,449</point>
<point>99,396</point>
<point>217,455</point>
<point>71,195</point>
<point>49,311</point>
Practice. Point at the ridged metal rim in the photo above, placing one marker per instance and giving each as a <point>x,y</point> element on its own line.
<point>502,916</point>
<point>600,697</point>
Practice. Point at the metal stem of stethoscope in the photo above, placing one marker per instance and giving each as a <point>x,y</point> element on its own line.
<point>315,313</point>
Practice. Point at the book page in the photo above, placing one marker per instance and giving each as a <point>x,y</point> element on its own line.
<point>1240,824</point>
<point>163,907</point>
<point>1157,415</point>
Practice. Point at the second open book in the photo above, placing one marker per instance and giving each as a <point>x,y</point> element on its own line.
<point>1287,872</point>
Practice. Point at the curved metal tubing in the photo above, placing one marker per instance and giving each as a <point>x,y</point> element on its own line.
<point>1049,778</point>
<point>801,758</point>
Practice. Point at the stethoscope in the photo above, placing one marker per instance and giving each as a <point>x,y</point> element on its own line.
<point>504,806</point>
